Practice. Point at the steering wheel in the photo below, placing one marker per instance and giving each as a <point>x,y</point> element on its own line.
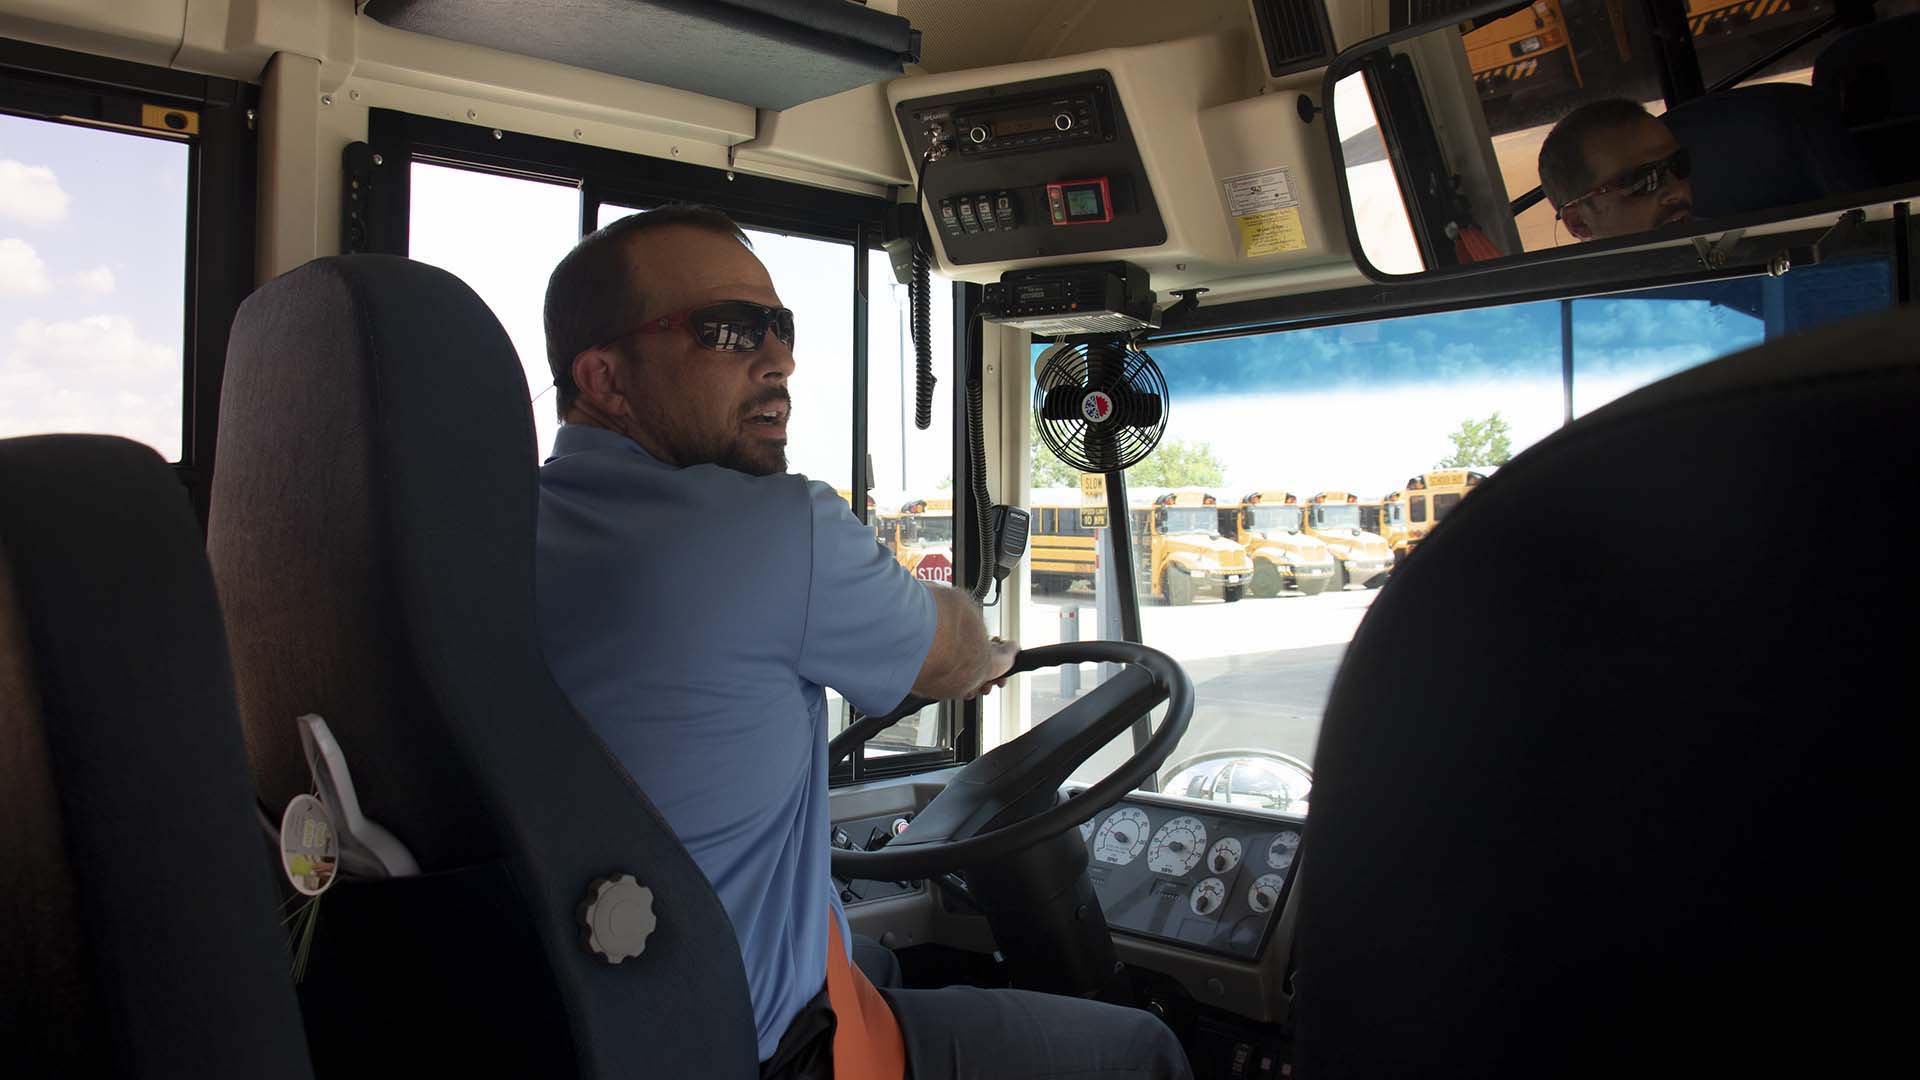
<point>986,811</point>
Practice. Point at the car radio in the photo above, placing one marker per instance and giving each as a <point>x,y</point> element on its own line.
<point>1034,123</point>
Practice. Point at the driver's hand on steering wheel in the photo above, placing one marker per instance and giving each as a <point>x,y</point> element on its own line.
<point>1002,657</point>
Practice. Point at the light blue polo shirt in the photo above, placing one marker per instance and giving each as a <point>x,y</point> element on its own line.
<point>693,617</point>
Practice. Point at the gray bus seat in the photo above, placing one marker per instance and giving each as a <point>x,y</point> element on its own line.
<point>1614,779</point>
<point>372,534</point>
<point>136,894</point>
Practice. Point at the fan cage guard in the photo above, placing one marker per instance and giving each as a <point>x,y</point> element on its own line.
<point>1100,406</point>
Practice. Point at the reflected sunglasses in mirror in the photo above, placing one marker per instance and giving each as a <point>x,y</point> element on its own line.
<point>1641,180</point>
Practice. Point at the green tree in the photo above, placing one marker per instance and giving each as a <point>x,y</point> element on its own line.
<point>1480,442</point>
<point>1179,463</point>
<point>1176,463</point>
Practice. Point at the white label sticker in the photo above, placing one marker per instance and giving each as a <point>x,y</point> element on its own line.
<point>1258,192</point>
<point>309,850</point>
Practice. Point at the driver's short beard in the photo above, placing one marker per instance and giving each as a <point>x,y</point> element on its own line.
<point>741,455</point>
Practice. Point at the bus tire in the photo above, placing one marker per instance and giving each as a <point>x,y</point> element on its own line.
<point>1230,593</point>
<point>1179,587</point>
<point>1339,581</point>
<point>1266,579</point>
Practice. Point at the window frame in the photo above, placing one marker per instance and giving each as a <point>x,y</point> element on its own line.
<point>375,218</point>
<point>38,82</point>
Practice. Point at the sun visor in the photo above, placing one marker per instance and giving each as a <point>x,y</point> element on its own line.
<point>771,54</point>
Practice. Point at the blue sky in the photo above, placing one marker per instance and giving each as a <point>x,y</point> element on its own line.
<point>92,280</point>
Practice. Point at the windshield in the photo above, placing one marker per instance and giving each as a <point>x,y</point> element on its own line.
<point>1336,516</point>
<point>1191,519</point>
<point>1263,654</point>
<point>932,530</point>
<point>1277,518</point>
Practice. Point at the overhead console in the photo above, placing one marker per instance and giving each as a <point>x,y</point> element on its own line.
<point>1147,155</point>
<point>1032,169</point>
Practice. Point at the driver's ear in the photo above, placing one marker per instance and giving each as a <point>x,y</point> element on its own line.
<point>597,373</point>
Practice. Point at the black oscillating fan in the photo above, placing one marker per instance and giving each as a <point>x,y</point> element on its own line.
<point>1102,406</point>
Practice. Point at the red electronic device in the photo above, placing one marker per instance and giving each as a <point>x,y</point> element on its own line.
<point>1080,202</point>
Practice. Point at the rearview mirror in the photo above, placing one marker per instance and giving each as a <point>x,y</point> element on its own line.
<point>1516,133</point>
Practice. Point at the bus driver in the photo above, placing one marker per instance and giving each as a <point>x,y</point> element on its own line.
<point>694,598</point>
<point>1610,168</point>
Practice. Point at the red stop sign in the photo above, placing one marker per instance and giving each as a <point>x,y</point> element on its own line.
<point>935,567</point>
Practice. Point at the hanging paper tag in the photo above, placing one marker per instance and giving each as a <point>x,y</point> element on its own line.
<point>309,850</point>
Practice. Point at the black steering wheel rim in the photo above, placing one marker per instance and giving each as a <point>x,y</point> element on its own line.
<point>931,859</point>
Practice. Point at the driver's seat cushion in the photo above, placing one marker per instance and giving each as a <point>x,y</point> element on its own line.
<point>1616,776</point>
<point>372,533</point>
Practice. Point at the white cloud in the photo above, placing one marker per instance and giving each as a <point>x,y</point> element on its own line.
<point>31,194</point>
<point>21,271</point>
<point>95,374</point>
<point>95,282</point>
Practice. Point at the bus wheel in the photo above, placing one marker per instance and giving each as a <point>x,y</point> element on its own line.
<point>1266,579</point>
<point>1230,593</point>
<point>1339,581</point>
<point>1179,587</point>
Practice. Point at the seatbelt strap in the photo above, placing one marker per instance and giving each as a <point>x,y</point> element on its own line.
<point>866,1043</point>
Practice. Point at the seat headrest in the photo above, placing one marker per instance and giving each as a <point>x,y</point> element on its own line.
<point>138,906</point>
<point>1609,778</point>
<point>1762,147</point>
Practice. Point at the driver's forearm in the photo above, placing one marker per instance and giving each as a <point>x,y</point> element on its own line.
<point>961,660</point>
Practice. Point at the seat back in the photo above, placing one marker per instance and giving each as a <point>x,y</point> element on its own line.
<point>1613,779</point>
<point>372,532</point>
<point>1756,148</point>
<point>138,903</point>
<point>1868,80</point>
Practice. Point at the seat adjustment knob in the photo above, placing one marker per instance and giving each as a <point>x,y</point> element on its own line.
<point>617,918</point>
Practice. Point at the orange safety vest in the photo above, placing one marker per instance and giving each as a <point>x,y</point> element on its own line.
<point>866,1038</point>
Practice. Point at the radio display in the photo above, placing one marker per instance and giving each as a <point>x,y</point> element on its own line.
<point>1003,128</point>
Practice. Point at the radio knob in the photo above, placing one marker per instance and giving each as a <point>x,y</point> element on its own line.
<point>977,133</point>
<point>1063,121</point>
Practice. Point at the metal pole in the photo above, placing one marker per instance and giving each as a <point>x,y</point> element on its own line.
<point>862,239</point>
<point>1566,361</point>
<point>1069,631</point>
<point>900,325</point>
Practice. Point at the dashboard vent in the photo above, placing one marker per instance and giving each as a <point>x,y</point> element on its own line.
<point>1294,34</point>
<point>1404,13</point>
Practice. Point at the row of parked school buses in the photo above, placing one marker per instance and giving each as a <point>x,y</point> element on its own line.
<point>1190,542</point>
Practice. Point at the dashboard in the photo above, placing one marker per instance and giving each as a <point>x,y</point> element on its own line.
<point>1181,873</point>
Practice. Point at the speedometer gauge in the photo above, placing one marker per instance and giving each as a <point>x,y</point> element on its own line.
<point>1280,852</point>
<point>1225,855</point>
<point>1121,836</point>
<point>1177,846</point>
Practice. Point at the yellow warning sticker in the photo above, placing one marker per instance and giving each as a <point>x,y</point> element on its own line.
<point>1270,232</point>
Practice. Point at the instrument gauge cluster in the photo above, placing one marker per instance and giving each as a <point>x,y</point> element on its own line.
<point>1206,880</point>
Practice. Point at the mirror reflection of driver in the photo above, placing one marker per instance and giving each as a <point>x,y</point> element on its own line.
<point>1609,168</point>
<point>694,600</point>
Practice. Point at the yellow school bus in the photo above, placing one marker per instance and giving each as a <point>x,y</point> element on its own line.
<point>920,535</point>
<point>1360,557</point>
<point>1061,551</point>
<point>1510,49</point>
<point>1271,525</point>
<point>1388,517</point>
<point>1178,549</point>
<point>1430,496</point>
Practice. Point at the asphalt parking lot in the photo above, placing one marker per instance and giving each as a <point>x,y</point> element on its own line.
<point>1262,669</point>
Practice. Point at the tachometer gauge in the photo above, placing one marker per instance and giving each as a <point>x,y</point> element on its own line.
<point>1280,852</point>
<point>1224,856</point>
<point>1177,846</point>
<point>1265,892</point>
<point>1208,897</point>
<point>1121,836</point>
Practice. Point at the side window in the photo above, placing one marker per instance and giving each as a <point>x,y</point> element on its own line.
<point>502,235</point>
<point>1442,504</point>
<point>1418,505</point>
<point>93,272</point>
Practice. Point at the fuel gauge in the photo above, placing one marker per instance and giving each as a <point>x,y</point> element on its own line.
<point>1208,897</point>
<point>1224,856</point>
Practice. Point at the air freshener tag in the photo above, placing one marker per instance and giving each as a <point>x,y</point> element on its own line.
<point>309,850</point>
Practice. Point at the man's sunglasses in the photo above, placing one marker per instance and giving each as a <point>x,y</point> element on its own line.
<point>1641,180</point>
<point>729,326</point>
